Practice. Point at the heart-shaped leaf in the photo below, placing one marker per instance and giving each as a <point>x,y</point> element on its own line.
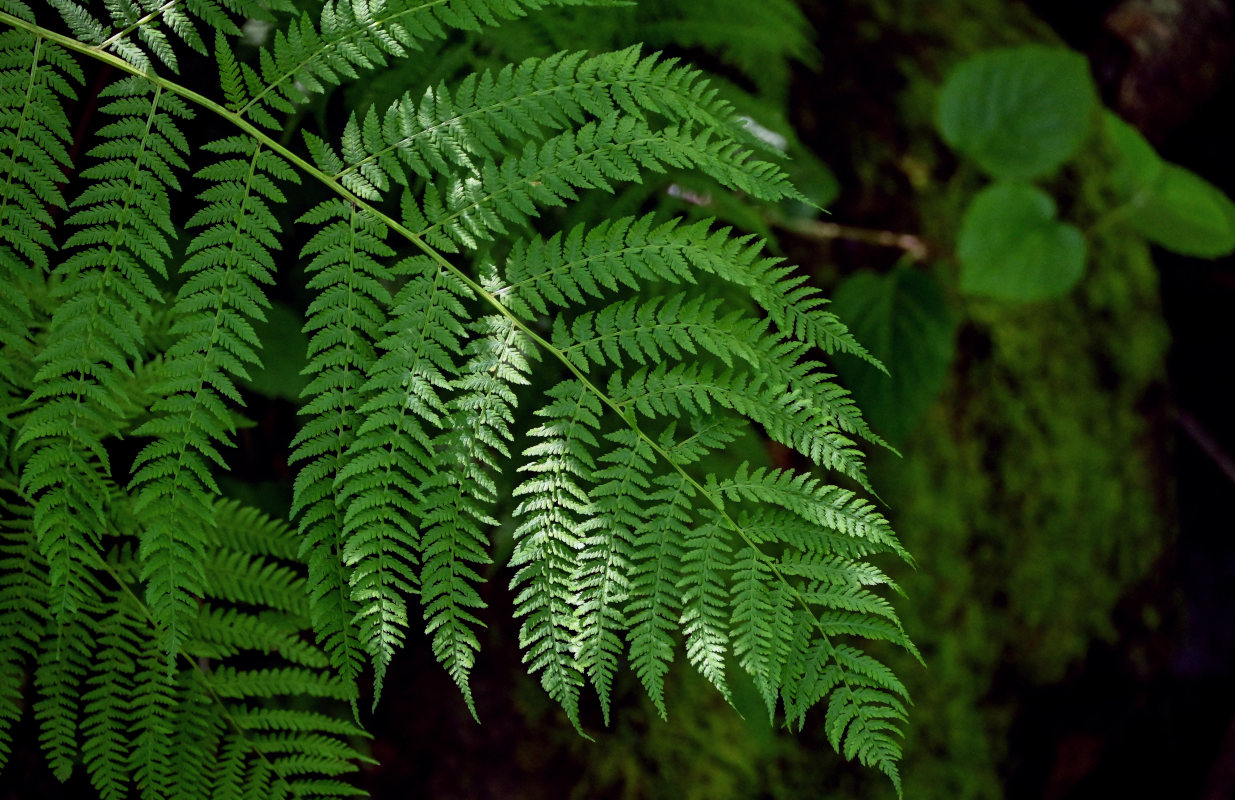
<point>1018,112</point>
<point>1012,247</point>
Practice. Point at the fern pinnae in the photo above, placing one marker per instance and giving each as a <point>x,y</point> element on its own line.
<point>344,322</point>
<point>761,622</point>
<point>655,603</point>
<point>554,515</point>
<point>226,265</point>
<point>613,149</point>
<point>35,77</point>
<point>108,706</point>
<point>23,616</point>
<point>390,459</point>
<point>122,223</point>
<point>606,558</point>
<point>489,112</point>
<point>356,35</point>
<point>705,571</point>
<point>459,495</point>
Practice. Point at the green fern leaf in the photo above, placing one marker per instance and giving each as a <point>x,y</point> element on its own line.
<point>35,78</point>
<point>227,264</point>
<point>389,461</point>
<point>344,322</point>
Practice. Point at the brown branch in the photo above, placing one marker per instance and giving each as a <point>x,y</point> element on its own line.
<point>915,246</point>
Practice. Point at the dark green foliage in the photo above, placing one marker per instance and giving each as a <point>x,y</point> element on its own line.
<point>165,632</point>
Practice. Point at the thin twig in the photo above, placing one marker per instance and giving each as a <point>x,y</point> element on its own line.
<point>915,246</point>
<point>1204,440</point>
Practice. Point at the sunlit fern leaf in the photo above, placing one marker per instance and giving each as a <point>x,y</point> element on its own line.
<point>705,625</point>
<point>762,623</point>
<point>344,324</point>
<point>628,252</point>
<point>459,493</point>
<point>629,530</point>
<point>606,558</point>
<point>655,602</point>
<point>828,507</point>
<point>477,206</point>
<point>555,513</point>
<point>493,112</point>
<point>389,463</point>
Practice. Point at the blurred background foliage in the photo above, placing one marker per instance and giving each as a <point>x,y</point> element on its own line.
<point>1041,469</point>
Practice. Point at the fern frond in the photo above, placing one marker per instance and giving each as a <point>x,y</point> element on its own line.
<point>227,264</point>
<point>787,416</point>
<point>828,507</point>
<point>63,664</point>
<point>623,538</point>
<point>606,558</point>
<point>762,621</point>
<point>554,515</point>
<point>630,251</point>
<point>655,603</point>
<point>23,612</point>
<point>704,622</point>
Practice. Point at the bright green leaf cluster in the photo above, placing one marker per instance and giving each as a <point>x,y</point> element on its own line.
<point>163,624</point>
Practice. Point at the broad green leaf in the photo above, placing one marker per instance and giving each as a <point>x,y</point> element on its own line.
<point>903,319</point>
<point>1012,247</point>
<point>1018,112</point>
<point>1138,166</point>
<point>1168,205</point>
<point>283,355</point>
